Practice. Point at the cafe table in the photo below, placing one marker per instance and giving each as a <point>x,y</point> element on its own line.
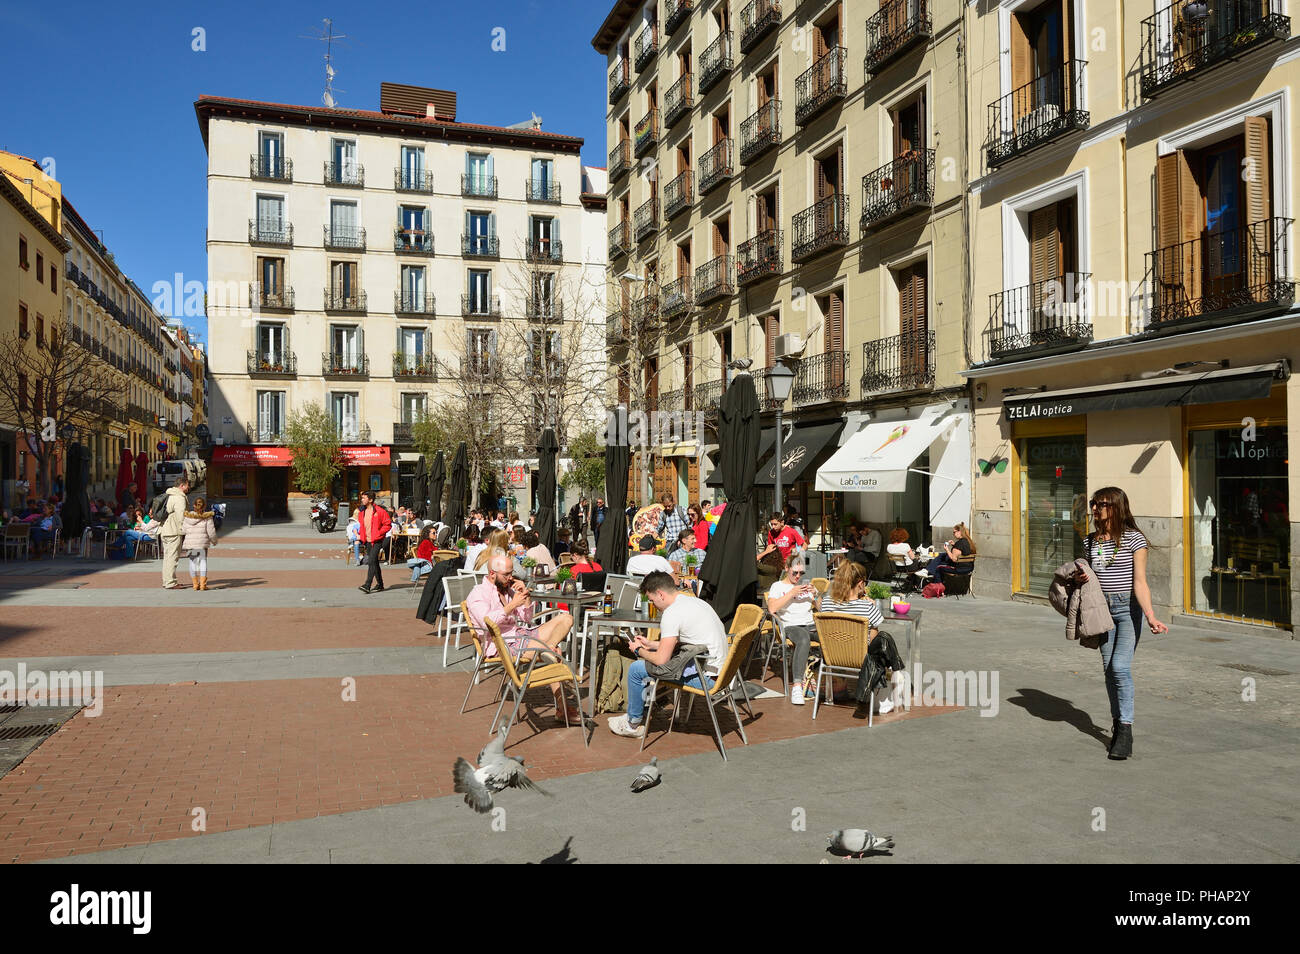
<point>913,620</point>
<point>602,625</point>
<point>579,603</point>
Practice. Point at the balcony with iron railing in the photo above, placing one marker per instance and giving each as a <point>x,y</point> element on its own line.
<point>412,180</point>
<point>413,303</point>
<point>620,240</point>
<point>1042,110</point>
<point>821,379</point>
<point>760,131</point>
<point>676,12</point>
<point>345,174</point>
<point>677,401</point>
<point>543,308</point>
<point>894,29</point>
<point>617,330</point>
<point>478,186</point>
<point>340,299</point>
<point>620,81</point>
<point>708,395</point>
<point>261,298</point>
<point>822,226</point>
<point>645,46</point>
<point>766,404</point>
<point>646,133</point>
<point>759,258</point>
<point>544,250</point>
<point>820,85</point>
<point>897,188</point>
<point>646,219</point>
<point>257,434</point>
<point>270,168</point>
<point>541,190</point>
<point>716,166</point>
<point>415,366</point>
<point>715,62</point>
<point>676,299</point>
<point>267,233</point>
<point>645,311</point>
<point>352,432</point>
<point>679,99</point>
<point>412,241</point>
<point>1044,317</point>
<point>620,159</point>
<point>757,20</point>
<point>1189,37</point>
<point>403,433</point>
<point>283,364</point>
<point>1220,278</point>
<point>344,364</point>
<point>345,238</point>
<point>899,363</point>
<point>480,306</point>
<point>715,279</point>
<point>678,194</point>
<point>480,246</point>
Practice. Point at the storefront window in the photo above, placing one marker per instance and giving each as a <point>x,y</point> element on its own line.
<point>1053,495</point>
<point>1240,529</point>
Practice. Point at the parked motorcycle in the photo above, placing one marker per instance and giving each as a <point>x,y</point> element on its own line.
<point>322,515</point>
<point>218,514</point>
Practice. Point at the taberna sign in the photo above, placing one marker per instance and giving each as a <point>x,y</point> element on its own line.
<point>1031,410</point>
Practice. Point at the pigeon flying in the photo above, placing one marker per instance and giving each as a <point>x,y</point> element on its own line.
<point>496,771</point>
<point>857,842</point>
<point>647,777</point>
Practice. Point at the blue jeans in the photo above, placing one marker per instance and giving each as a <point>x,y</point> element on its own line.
<point>418,568</point>
<point>1117,653</point>
<point>356,551</point>
<point>636,680</point>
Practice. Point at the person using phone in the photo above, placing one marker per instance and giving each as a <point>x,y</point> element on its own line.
<point>792,600</point>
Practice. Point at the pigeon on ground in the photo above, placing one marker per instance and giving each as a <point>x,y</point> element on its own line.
<point>496,771</point>
<point>647,777</point>
<point>857,842</point>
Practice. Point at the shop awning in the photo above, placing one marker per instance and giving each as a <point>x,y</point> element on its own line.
<point>877,457</point>
<point>798,451</point>
<point>365,455</point>
<point>1172,390</point>
<point>766,442</point>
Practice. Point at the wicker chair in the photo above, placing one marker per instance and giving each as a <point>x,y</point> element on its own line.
<point>844,638</point>
<point>537,675</point>
<point>821,584</point>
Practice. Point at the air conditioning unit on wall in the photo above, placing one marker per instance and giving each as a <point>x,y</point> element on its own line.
<point>788,346</point>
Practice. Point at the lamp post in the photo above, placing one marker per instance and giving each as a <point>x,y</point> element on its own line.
<point>780,379</point>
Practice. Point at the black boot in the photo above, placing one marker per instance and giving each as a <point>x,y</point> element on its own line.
<point>1114,734</point>
<point>1122,747</point>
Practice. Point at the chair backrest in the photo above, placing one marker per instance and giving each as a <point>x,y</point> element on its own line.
<point>593,582</point>
<point>17,531</point>
<point>820,584</point>
<point>503,652</point>
<point>566,558</point>
<point>844,638</point>
<point>736,654</point>
<point>747,615</point>
<point>474,634</point>
<point>440,555</point>
<point>457,588</point>
<point>627,596</point>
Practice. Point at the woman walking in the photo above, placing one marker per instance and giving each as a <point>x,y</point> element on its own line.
<point>199,532</point>
<point>1117,552</point>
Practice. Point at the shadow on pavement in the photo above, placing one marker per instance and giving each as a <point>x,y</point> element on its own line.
<point>1050,708</point>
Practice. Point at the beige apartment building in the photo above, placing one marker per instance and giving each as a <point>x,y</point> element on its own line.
<point>786,186</point>
<point>1133,196</point>
<point>370,259</point>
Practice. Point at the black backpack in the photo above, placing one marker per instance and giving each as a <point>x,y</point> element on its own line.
<point>158,509</point>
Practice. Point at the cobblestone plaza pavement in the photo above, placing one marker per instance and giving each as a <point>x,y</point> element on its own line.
<point>232,701</point>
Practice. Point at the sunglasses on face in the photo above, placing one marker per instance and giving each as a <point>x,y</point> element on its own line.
<point>1099,504</point>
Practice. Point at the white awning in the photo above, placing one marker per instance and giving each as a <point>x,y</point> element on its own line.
<point>877,458</point>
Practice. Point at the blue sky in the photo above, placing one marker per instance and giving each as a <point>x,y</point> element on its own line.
<point>107,91</point>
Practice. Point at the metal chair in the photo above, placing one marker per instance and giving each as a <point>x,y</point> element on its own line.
<point>956,582</point>
<point>844,639</point>
<point>455,591</point>
<point>536,676</point>
<point>18,538</point>
<point>149,543</point>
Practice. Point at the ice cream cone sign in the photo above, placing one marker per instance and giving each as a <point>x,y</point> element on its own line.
<point>894,435</point>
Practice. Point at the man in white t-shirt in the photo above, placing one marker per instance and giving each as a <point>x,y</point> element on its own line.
<point>684,619</point>
<point>647,561</point>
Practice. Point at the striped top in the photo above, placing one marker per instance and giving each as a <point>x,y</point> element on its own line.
<point>868,608</point>
<point>1113,563</point>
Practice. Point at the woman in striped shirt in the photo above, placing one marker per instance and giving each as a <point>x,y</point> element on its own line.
<point>1117,552</point>
<point>848,594</point>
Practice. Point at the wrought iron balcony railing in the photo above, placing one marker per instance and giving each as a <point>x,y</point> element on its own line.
<point>352,432</point>
<point>263,434</point>
<point>766,404</point>
<point>410,303</point>
<point>900,363</point>
<point>757,20</point>
<point>1043,316</point>
<point>620,81</point>
<point>480,306</point>
<point>708,394</point>
<point>343,364</point>
<point>898,187</point>
<point>543,308</point>
<point>273,168</point>
<point>1188,37</point>
<point>822,378</point>
<point>617,330</point>
<point>676,12</point>
<point>270,299</point>
<point>894,29</point>
<point>541,190</point>
<point>268,233</point>
<point>760,131</point>
<point>1221,277</point>
<point>345,174</point>
<point>820,85</point>
<point>821,226</point>
<point>403,432</point>
<point>478,186</point>
<point>339,299</point>
<point>272,362</point>
<point>345,238</point>
<point>715,279</point>
<point>678,194</point>
<point>676,298</point>
<point>620,240</point>
<point>1044,109</point>
<point>423,366</point>
<point>679,99</point>
<point>645,310</point>
<point>545,250</point>
<point>480,246</point>
<point>759,258</point>
<point>646,218</point>
<point>646,133</point>
<point>620,159</point>
<point>645,46</point>
<point>412,180</point>
<point>715,62</point>
<point>412,241</point>
<point>715,166</point>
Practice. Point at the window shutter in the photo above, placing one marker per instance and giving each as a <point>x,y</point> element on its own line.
<point>492,225</point>
<point>921,137</point>
<point>819,43</point>
<point>822,187</point>
<point>1044,245</point>
<point>1258,189</point>
<point>1020,63</point>
<point>555,230</point>
<point>906,311</point>
<point>1178,225</point>
<point>771,332</point>
<point>834,339</point>
<point>263,413</point>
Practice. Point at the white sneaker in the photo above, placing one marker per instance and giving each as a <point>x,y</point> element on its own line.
<point>922,572</point>
<point>885,706</point>
<point>619,725</point>
<point>796,696</point>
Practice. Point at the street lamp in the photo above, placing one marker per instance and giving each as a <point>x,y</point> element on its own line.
<point>780,379</point>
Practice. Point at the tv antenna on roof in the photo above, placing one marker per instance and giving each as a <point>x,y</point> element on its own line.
<point>328,36</point>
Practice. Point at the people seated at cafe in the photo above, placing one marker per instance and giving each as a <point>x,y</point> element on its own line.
<point>684,547</point>
<point>499,521</point>
<point>848,594</point>
<point>422,562</point>
<point>792,600</point>
<point>583,561</point>
<point>899,547</point>
<point>782,539</point>
<point>498,541</point>
<point>561,541</point>
<point>534,548</point>
<point>45,528</point>
<point>474,546</point>
<point>647,560</point>
<point>699,525</point>
<point>136,524</point>
<point>959,546</point>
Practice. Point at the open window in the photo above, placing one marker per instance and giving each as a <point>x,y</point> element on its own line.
<point>1041,52</point>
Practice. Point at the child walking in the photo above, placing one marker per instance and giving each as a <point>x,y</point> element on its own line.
<point>200,533</point>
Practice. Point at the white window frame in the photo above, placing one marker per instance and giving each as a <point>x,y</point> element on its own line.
<point>1015,233</point>
<point>1080,44</point>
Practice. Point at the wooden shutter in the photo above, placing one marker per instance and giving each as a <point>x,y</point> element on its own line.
<point>693,478</point>
<point>1021,67</point>
<point>834,339</point>
<point>819,43</point>
<point>771,330</point>
<point>822,186</point>
<point>1178,225</point>
<point>719,240</point>
<point>914,326</point>
<point>1258,194</point>
<point>921,137</point>
<point>1044,262</point>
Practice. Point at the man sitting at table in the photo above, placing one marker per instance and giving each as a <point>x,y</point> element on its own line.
<point>685,547</point>
<point>505,601</point>
<point>647,561</point>
<point>683,619</point>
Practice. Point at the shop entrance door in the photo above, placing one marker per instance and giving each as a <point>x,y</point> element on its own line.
<point>1053,506</point>
<point>272,492</point>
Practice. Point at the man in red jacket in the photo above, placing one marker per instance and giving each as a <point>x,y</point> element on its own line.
<point>375,527</point>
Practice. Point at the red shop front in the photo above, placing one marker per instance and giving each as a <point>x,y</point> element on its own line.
<point>262,476</point>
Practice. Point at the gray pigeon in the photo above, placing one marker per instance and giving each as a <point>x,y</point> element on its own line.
<point>647,777</point>
<point>857,842</point>
<point>496,771</point>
